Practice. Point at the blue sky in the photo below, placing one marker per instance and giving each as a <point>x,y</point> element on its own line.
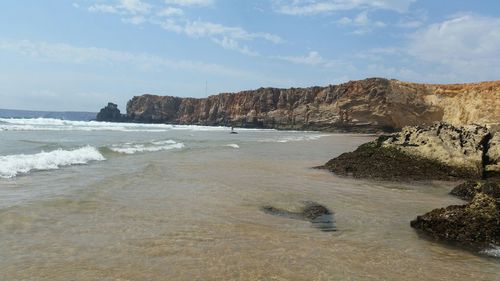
<point>78,55</point>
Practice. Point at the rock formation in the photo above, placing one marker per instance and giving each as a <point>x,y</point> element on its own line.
<point>111,113</point>
<point>440,151</point>
<point>368,105</point>
<point>320,216</point>
<point>493,156</point>
<point>469,189</point>
<point>475,224</point>
<point>455,146</point>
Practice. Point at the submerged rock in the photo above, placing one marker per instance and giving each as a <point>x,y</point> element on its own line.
<point>320,216</point>
<point>469,189</point>
<point>475,224</point>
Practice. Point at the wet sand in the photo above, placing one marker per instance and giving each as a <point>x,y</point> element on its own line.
<point>196,214</point>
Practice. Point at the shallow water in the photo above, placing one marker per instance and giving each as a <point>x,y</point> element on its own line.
<point>194,212</point>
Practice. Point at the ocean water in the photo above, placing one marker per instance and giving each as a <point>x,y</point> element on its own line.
<point>108,201</point>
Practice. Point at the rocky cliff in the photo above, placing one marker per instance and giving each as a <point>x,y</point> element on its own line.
<point>368,105</point>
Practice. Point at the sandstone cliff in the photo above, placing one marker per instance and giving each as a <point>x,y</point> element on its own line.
<point>368,105</point>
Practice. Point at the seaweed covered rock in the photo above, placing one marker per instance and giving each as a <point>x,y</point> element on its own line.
<point>469,189</point>
<point>320,216</point>
<point>475,224</point>
<point>378,161</point>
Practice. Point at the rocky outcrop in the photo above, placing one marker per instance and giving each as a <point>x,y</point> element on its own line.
<point>111,113</point>
<point>469,189</point>
<point>440,151</point>
<point>368,105</point>
<point>376,161</point>
<point>475,224</point>
<point>493,155</point>
<point>463,147</point>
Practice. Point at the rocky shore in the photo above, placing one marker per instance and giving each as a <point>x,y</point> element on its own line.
<point>370,105</point>
<point>438,138</point>
<point>439,152</point>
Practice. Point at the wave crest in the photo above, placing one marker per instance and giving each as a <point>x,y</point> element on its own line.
<point>154,146</point>
<point>12,165</point>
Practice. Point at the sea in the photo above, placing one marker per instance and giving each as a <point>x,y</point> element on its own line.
<point>85,200</point>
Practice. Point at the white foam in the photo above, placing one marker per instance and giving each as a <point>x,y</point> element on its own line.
<point>154,146</point>
<point>48,124</point>
<point>12,165</point>
<point>294,138</point>
<point>233,145</point>
<point>493,252</point>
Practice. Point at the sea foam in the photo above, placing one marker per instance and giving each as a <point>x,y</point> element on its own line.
<point>294,138</point>
<point>233,145</point>
<point>492,252</point>
<point>12,165</point>
<point>154,146</point>
<point>48,124</point>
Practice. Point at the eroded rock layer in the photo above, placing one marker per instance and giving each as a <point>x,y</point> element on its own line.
<point>440,151</point>
<point>368,105</point>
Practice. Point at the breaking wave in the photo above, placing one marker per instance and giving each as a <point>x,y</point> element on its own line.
<point>294,138</point>
<point>48,124</point>
<point>154,146</point>
<point>12,165</point>
<point>233,145</point>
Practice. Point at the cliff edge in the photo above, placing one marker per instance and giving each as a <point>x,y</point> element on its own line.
<point>369,105</point>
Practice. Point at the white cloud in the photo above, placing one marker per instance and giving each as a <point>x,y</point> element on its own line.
<point>209,29</point>
<point>135,20</point>
<point>190,2</point>
<point>66,53</point>
<point>227,37</point>
<point>103,8</point>
<point>170,11</point>
<point>313,58</point>
<point>362,22</point>
<point>135,6</point>
<point>232,44</point>
<point>173,19</point>
<point>313,7</point>
<point>461,40</point>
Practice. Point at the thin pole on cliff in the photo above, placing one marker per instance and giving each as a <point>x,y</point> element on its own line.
<point>206,88</point>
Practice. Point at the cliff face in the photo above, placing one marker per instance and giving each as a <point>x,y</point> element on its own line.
<point>362,106</point>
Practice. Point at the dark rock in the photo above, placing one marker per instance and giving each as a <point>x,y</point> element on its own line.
<point>373,160</point>
<point>469,189</point>
<point>320,216</point>
<point>313,210</point>
<point>111,113</point>
<point>475,224</point>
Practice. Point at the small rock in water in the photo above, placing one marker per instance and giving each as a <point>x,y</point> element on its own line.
<point>320,216</point>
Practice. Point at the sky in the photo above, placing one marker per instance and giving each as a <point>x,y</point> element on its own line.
<point>80,54</point>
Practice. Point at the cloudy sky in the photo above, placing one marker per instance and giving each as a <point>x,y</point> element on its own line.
<point>78,55</point>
